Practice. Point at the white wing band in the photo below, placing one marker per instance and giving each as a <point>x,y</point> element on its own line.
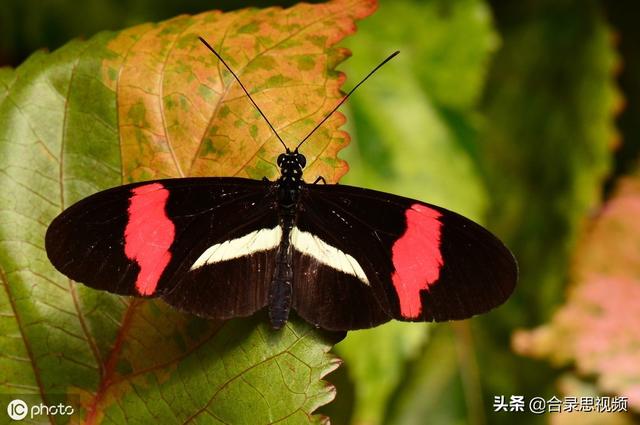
<point>256,241</point>
<point>311,245</point>
<point>266,239</point>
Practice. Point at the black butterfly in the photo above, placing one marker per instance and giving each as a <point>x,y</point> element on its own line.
<point>343,257</point>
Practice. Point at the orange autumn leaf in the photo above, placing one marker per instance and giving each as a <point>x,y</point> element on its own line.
<point>180,113</point>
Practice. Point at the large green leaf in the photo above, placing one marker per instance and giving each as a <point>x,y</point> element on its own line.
<point>549,134</point>
<point>152,102</point>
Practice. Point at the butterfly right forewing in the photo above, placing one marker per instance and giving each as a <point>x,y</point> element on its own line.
<point>418,261</point>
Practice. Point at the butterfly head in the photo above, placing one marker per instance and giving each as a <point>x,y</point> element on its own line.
<point>291,165</point>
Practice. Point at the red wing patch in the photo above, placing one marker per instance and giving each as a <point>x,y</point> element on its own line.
<point>417,258</point>
<point>148,235</point>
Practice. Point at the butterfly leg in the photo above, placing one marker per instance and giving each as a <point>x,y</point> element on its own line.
<point>320,179</point>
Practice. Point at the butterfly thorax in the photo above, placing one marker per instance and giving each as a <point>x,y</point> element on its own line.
<point>290,182</point>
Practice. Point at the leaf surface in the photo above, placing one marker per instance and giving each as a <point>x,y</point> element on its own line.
<point>548,139</point>
<point>144,103</point>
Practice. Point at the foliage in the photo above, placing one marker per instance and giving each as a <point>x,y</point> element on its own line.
<point>503,111</point>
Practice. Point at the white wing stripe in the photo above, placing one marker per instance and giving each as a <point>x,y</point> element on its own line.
<point>312,245</point>
<point>256,241</point>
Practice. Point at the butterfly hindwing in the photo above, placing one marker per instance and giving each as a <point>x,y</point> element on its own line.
<point>333,300</point>
<point>421,262</point>
<point>142,239</point>
<point>228,278</point>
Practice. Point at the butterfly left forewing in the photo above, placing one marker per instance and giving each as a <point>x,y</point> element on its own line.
<point>143,239</point>
<point>422,262</point>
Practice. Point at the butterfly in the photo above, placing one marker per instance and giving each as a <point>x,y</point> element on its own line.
<point>342,257</point>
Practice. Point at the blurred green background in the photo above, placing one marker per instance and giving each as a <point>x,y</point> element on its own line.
<point>520,115</point>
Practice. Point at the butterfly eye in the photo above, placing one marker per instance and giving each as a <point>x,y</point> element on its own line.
<point>301,160</point>
<point>281,159</point>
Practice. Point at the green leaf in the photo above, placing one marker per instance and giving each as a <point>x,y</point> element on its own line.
<point>432,390</point>
<point>414,131</point>
<point>376,362</point>
<point>412,135</point>
<point>548,140</point>
<point>152,102</point>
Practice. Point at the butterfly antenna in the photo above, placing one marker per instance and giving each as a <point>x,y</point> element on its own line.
<point>391,56</point>
<point>245,90</point>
